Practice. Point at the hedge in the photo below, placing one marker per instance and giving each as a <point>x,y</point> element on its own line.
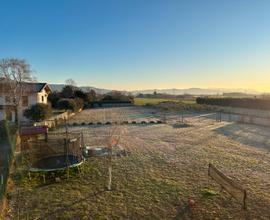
<point>250,103</point>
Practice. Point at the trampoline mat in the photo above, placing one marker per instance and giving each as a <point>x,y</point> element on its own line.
<point>56,163</point>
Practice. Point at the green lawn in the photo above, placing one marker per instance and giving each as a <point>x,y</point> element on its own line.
<point>154,101</point>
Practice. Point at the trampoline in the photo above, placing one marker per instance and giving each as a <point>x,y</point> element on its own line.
<point>60,151</point>
<point>56,163</point>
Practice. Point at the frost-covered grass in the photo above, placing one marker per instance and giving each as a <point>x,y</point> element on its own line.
<point>166,167</point>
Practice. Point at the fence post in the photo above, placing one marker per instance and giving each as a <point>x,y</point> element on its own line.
<point>244,200</point>
<point>209,166</point>
<point>164,118</point>
<point>182,117</point>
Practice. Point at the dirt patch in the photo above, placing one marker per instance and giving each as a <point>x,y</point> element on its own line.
<point>181,125</point>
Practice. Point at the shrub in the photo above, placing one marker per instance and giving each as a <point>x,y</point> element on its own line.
<point>38,112</point>
<point>80,94</point>
<point>116,96</point>
<point>79,103</point>
<point>67,104</point>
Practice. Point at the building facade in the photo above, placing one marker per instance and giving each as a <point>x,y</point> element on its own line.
<point>32,93</point>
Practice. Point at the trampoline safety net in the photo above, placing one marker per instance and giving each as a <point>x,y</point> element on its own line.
<point>59,151</point>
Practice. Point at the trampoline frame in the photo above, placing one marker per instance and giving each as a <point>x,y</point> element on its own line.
<point>36,170</point>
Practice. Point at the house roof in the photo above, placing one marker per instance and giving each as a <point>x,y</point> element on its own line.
<point>29,87</point>
<point>37,87</point>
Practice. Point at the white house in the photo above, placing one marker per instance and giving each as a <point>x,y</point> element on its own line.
<point>32,94</point>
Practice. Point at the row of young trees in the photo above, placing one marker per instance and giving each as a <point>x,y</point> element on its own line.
<point>251,103</point>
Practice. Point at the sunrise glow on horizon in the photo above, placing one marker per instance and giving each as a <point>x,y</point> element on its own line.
<point>138,45</point>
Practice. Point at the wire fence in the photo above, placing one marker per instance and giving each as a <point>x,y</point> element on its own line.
<point>234,189</point>
<point>243,118</point>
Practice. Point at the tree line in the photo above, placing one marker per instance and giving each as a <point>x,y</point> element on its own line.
<point>72,98</point>
<point>250,103</point>
<point>164,96</point>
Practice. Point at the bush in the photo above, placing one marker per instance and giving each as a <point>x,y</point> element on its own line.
<point>67,104</point>
<point>38,112</point>
<point>79,103</point>
<point>116,96</point>
<point>70,104</point>
<point>80,94</point>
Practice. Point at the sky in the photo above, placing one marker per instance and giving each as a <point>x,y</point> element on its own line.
<point>141,44</point>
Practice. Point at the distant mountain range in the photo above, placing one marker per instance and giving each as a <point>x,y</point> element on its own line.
<point>196,91</point>
<point>191,91</point>
<point>59,87</point>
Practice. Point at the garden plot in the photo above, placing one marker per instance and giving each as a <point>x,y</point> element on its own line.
<point>166,168</point>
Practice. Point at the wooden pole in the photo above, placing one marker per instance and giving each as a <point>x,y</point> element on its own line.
<point>244,200</point>
<point>182,116</point>
<point>110,168</point>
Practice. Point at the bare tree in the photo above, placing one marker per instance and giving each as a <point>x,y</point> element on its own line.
<point>14,74</point>
<point>71,82</point>
<point>113,137</point>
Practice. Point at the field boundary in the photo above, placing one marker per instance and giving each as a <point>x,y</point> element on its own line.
<point>226,183</point>
<point>244,118</point>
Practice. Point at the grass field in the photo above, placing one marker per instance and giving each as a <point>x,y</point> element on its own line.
<point>154,101</point>
<point>166,167</point>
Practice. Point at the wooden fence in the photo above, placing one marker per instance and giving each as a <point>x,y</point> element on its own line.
<point>55,120</point>
<point>234,189</point>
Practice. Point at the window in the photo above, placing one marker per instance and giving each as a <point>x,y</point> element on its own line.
<point>24,100</point>
<point>42,98</point>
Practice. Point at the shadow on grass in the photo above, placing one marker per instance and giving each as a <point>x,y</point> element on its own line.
<point>252,135</point>
<point>183,213</point>
<point>49,215</point>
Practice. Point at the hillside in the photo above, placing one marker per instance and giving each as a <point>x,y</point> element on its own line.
<point>191,91</point>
